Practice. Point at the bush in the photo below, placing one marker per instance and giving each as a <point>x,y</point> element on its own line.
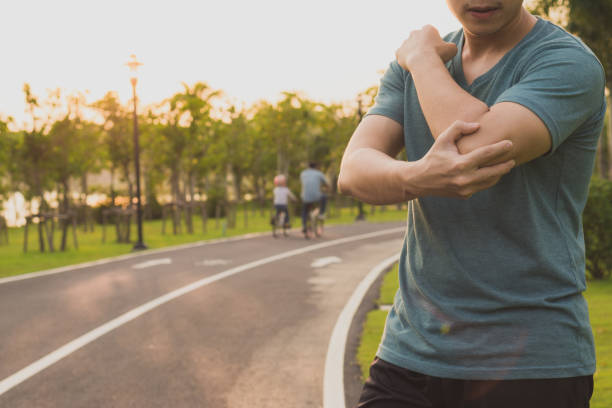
<point>597,222</point>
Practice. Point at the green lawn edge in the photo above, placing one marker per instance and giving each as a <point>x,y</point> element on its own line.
<point>13,260</point>
<point>598,296</point>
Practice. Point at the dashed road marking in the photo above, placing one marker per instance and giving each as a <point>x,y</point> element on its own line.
<point>152,262</point>
<point>323,262</point>
<point>212,262</point>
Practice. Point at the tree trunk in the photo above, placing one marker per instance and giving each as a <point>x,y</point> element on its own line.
<point>260,188</point>
<point>189,213</point>
<point>609,144</point>
<point>282,162</point>
<point>83,198</point>
<point>229,202</point>
<point>112,186</point>
<point>148,211</point>
<point>64,212</point>
<point>176,194</point>
<point>601,155</point>
<point>88,224</point>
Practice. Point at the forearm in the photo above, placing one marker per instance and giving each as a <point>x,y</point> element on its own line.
<point>441,99</point>
<point>373,177</point>
<point>370,172</point>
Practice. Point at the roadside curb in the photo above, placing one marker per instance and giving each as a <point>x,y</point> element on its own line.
<point>334,389</point>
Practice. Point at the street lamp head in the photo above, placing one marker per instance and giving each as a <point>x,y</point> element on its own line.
<point>133,65</point>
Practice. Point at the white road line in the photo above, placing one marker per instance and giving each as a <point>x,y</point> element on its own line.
<point>333,380</point>
<point>87,338</point>
<point>152,262</point>
<point>323,262</point>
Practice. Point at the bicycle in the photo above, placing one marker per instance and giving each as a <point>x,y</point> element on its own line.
<point>314,222</point>
<point>279,221</point>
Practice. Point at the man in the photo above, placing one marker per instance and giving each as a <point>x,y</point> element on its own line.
<point>312,180</point>
<point>500,122</point>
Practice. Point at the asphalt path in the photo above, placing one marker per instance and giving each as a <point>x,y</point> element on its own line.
<point>239,323</point>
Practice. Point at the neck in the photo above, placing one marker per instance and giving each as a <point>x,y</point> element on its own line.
<point>501,41</point>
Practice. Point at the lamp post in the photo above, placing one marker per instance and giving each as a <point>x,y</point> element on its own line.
<point>133,64</point>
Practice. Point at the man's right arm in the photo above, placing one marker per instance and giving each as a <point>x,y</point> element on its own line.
<point>370,172</point>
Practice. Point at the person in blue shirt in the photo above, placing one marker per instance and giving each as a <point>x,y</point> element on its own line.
<point>313,180</point>
<point>500,122</point>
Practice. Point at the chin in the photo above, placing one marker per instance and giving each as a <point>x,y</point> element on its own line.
<point>482,29</point>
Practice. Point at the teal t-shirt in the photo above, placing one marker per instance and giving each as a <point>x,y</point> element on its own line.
<point>491,287</point>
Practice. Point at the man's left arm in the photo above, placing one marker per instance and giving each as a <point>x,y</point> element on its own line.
<point>442,101</point>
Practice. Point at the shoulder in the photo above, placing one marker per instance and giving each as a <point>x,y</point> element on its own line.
<point>552,43</point>
<point>551,55</point>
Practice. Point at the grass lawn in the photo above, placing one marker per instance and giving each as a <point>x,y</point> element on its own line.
<point>13,261</point>
<point>598,295</point>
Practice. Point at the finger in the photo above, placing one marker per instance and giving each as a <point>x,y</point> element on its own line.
<point>458,129</point>
<point>487,177</point>
<point>429,27</point>
<point>446,51</point>
<point>493,172</point>
<point>486,155</point>
<point>476,188</point>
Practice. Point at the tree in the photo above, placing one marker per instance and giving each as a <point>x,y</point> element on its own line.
<point>597,220</point>
<point>33,161</point>
<point>286,124</point>
<point>119,145</point>
<point>9,172</point>
<point>236,154</point>
<point>589,20</point>
<point>263,165</point>
<point>6,160</point>
<point>192,108</point>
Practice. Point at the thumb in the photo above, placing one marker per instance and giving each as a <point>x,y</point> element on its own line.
<point>446,51</point>
<point>456,130</point>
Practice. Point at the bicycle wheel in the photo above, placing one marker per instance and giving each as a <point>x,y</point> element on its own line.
<point>285,225</point>
<point>314,222</point>
<point>281,222</point>
<point>274,224</point>
<point>319,225</point>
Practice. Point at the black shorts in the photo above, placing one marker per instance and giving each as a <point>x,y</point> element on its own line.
<point>390,386</point>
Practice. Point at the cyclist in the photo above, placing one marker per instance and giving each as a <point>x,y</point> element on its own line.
<point>282,195</point>
<point>312,180</point>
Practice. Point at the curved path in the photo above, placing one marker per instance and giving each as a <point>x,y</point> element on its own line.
<point>240,323</point>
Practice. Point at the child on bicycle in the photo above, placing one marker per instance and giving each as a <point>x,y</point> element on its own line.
<point>282,195</point>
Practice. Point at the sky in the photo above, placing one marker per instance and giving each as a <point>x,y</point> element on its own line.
<point>328,49</point>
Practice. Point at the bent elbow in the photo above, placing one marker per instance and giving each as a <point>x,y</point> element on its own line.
<point>343,184</point>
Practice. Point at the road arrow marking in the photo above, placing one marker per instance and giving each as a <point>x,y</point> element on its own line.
<point>152,262</point>
<point>322,262</point>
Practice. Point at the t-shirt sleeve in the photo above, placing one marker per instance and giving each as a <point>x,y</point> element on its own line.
<point>390,99</point>
<point>563,87</point>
